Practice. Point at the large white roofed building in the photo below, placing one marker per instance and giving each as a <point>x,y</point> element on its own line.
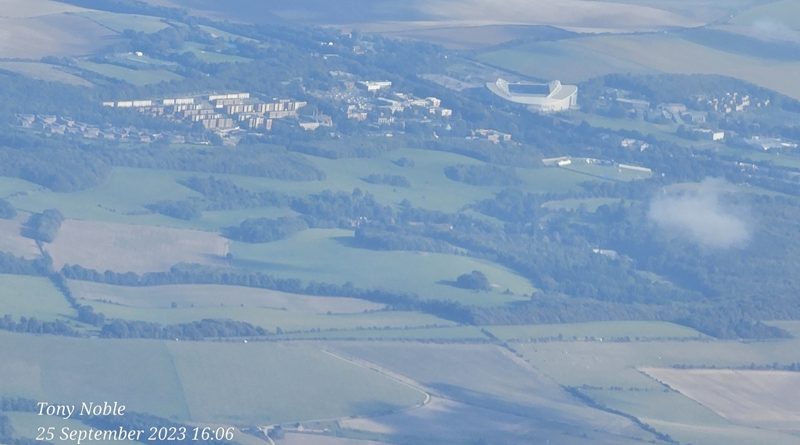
<point>548,97</point>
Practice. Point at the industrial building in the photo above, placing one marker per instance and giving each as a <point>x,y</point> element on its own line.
<point>550,97</point>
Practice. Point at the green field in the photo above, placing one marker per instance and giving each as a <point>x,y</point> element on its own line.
<point>121,198</point>
<point>596,331</point>
<point>216,296</point>
<point>138,77</point>
<point>272,319</point>
<point>28,296</point>
<point>265,308</point>
<point>14,186</point>
<point>254,383</point>
<point>327,255</point>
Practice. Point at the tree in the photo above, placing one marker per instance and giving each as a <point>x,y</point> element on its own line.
<point>475,280</point>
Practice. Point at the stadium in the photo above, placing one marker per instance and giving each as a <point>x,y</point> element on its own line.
<point>548,97</point>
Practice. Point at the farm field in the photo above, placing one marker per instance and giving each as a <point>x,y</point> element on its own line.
<point>36,28</point>
<point>471,382</point>
<point>595,330</point>
<point>261,307</point>
<point>12,240</point>
<point>29,296</point>
<point>176,375</point>
<point>756,398</point>
<point>120,22</point>
<point>138,77</point>
<point>272,319</point>
<point>609,374</point>
<point>214,296</point>
<point>43,71</point>
<point>327,255</point>
<point>132,248</point>
<point>684,419</point>
<point>612,364</point>
<point>575,60</point>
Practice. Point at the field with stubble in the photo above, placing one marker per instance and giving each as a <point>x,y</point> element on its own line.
<point>131,248</point>
<point>756,398</point>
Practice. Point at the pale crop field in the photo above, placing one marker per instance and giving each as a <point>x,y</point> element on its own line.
<point>43,71</point>
<point>12,240</point>
<point>131,248</point>
<point>757,398</point>
<point>58,34</point>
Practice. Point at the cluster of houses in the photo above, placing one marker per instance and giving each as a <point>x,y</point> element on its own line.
<point>219,112</point>
<point>377,104</point>
<point>63,126</point>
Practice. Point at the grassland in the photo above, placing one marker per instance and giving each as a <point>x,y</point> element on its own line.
<point>265,308</point>
<point>254,383</point>
<point>328,256</point>
<point>121,22</point>
<point>272,319</point>
<point>129,248</point>
<point>36,28</point>
<point>32,297</point>
<point>138,77</point>
<point>120,198</point>
<point>215,296</point>
<point>579,59</point>
<point>43,71</point>
<point>475,388</point>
